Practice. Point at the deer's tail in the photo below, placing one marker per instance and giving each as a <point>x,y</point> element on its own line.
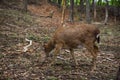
<point>98,38</point>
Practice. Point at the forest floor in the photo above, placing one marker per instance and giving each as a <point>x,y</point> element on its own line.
<point>15,64</point>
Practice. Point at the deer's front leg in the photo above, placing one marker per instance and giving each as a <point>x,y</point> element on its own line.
<point>73,56</point>
<point>56,52</point>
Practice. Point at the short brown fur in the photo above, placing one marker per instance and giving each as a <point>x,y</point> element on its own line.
<point>73,36</point>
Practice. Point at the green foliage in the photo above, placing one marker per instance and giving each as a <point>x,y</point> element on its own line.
<point>46,38</point>
<point>33,37</point>
<point>99,2</point>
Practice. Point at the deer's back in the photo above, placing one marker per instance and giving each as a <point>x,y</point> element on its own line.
<point>75,35</point>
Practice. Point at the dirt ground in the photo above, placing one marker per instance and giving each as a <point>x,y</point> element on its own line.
<point>18,65</point>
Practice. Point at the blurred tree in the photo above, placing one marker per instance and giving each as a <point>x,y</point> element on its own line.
<point>59,3</point>
<point>106,12</point>
<point>63,11</point>
<point>94,9</point>
<point>81,9</point>
<point>88,11</point>
<point>71,10</point>
<point>25,2</point>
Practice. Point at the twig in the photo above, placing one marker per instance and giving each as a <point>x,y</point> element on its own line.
<point>26,47</point>
<point>109,59</point>
<point>11,25</point>
<point>61,58</point>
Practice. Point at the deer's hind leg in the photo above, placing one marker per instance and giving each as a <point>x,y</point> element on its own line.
<point>93,49</point>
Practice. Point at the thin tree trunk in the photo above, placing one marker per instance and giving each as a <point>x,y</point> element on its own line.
<point>59,3</point>
<point>106,13</point>
<point>81,9</point>
<point>94,7</point>
<point>63,11</point>
<point>88,12</point>
<point>115,14</point>
<point>93,1</point>
<point>25,5</point>
<point>81,5</point>
<point>71,10</point>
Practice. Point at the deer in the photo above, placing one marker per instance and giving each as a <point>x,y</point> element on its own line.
<point>70,37</point>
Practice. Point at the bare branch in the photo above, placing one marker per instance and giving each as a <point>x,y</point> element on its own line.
<point>26,47</point>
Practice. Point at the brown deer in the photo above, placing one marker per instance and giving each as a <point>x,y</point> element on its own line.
<point>71,37</point>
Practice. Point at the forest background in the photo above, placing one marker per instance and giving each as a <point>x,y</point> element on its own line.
<point>37,20</point>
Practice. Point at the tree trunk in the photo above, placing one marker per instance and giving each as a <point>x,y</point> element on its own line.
<point>94,9</point>
<point>25,5</point>
<point>106,13</point>
<point>63,11</point>
<point>81,6</point>
<point>59,3</point>
<point>81,9</point>
<point>88,12</point>
<point>71,10</point>
<point>115,14</point>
